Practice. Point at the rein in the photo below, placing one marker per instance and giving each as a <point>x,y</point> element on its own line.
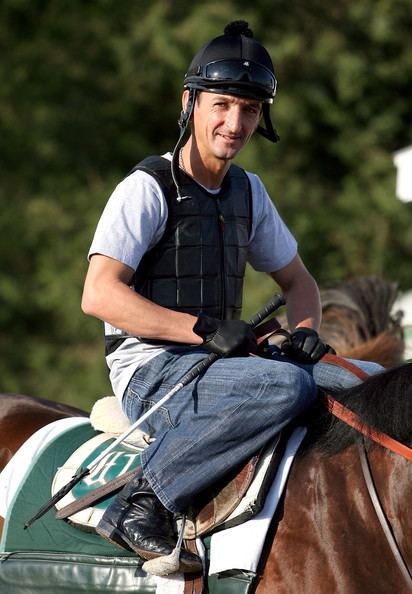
<point>352,419</point>
<point>349,417</point>
<point>346,415</point>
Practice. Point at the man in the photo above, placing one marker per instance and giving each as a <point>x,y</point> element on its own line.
<point>165,274</point>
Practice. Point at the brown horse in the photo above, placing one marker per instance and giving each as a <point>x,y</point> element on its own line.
<point>326,536</point>
<point>21,416</point>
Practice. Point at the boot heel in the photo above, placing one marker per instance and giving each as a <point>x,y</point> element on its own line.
<point>113,535</point>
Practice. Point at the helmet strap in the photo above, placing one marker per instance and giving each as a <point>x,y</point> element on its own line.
<point>183,123</point>
<point>269,131</point>
<point>186,115</point>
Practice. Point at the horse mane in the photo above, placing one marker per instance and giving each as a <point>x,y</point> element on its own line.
<point>387,348</point>
<point>382,401</point>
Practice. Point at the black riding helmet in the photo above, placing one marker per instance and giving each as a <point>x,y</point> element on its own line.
<point>233,64</point>
<point>236,64</point>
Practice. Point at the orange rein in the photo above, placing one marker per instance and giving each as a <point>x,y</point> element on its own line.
<point>351,418</point>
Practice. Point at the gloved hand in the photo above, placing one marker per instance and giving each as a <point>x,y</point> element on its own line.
<point>225,337</point>
<point>306,346</point>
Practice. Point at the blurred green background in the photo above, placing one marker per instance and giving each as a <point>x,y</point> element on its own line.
<point>89,88</point>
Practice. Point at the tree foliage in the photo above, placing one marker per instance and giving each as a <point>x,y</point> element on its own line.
<point>88,89</point>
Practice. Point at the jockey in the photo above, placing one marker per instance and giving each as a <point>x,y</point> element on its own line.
<point>166,269</point>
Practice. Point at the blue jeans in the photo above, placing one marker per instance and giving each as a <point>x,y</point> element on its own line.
<point>220,419</point>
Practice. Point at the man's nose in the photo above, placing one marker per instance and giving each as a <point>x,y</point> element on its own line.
<point>234,119</point>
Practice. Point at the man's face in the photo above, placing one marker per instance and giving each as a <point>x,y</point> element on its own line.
<point>223,124</point>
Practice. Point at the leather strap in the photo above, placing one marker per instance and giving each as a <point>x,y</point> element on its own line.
<point>340,362</point>
<point>266,329</point>
<point>351,418</point>
<point>96,494</point>
<point>370,484</point>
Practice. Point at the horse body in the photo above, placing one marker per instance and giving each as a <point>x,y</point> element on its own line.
<point>327,535</point>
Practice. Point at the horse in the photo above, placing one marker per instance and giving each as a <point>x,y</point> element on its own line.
<point>21,416</point>
<point>325,536</point>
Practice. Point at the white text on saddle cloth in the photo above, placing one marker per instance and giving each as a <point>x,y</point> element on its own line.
<point>99,474</point>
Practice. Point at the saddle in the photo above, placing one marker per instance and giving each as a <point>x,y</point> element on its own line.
<point>231,501</point>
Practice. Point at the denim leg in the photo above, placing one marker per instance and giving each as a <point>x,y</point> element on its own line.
<point>329,376</point>
<point>216,422</point>
<point>332,377</point>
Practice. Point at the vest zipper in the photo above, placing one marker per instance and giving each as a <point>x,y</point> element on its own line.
<point>221,223</point>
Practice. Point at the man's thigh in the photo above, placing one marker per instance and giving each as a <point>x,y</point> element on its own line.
<point>226,385</point>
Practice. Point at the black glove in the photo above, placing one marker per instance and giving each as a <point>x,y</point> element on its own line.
<point>305,346</point>
<point>225,337</point>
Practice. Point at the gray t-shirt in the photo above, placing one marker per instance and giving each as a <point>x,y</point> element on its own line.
<point>134,220</point>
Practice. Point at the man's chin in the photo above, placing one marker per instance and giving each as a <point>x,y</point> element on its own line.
<point>227,153</point>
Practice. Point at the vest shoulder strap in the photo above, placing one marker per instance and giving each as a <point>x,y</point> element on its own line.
<point>160,169</point>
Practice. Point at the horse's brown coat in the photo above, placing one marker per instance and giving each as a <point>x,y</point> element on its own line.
<point>327,536</point>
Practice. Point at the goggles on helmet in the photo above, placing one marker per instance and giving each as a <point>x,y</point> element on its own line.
<point>235,74</point>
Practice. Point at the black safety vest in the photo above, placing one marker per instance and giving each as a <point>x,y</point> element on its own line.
<point>199,263</point>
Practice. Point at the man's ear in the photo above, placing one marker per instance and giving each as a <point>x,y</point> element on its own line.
<point>185,99</point>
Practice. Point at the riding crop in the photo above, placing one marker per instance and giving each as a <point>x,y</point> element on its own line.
<point>276,302</point>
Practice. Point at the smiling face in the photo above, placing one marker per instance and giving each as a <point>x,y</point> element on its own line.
<point>223,124</point>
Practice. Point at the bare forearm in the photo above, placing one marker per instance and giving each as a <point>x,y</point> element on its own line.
<point>110,299</point>
<point>301,293</point>
<point>303,305</point>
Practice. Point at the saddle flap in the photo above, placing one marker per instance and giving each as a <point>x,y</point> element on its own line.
<point>241,496</point>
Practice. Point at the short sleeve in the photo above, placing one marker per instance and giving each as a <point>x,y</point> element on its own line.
<point>272,245</point>
<point>133,220</point>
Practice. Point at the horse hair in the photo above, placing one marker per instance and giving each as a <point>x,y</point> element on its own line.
<point>358,320</point>
<point>382,401</point>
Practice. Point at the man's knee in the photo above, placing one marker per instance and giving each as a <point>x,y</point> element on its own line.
<point>297,384</point>
<point>303,387</point>
<point>369,367</point>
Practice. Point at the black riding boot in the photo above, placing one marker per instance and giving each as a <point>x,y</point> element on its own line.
<point>137,520</point>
